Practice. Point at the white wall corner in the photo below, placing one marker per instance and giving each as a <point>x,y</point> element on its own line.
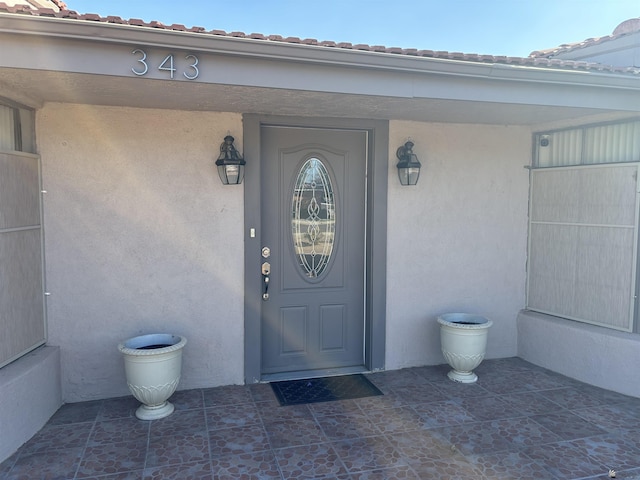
<point>30,393</point>
<point>595,355</point>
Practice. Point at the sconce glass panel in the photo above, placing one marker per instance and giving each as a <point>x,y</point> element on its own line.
<point>313,221</point>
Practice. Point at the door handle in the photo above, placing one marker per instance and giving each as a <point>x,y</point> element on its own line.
<point>266,271</point>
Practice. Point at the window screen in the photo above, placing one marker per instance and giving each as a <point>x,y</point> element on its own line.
<point>582,243</point>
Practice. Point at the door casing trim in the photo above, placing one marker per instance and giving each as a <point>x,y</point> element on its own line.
<point>376,233</point>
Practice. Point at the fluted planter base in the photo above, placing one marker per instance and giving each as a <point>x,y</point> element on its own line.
<point>153,364</point>
<point>145,412</point>
<point>462,377</point>
<point>463,337</point>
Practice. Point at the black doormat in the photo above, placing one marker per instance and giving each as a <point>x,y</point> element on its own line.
<point>324,389</point>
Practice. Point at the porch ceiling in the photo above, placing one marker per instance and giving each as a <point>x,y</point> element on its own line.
<point>40,86</point>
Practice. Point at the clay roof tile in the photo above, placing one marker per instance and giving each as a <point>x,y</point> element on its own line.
<point>114,19</point>
<point>543,58</point>
<point>94,17</point>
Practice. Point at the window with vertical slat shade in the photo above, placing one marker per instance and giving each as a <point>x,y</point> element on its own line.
<point>583,223</point>
<point>588,145</point>
<point>22,314</point>
<point>583,243</point>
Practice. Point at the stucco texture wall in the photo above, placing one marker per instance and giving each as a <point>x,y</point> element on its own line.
<point>140,237</point>
<point>457,241</point>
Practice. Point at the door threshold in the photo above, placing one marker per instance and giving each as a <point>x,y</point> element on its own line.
<point>324,372</point>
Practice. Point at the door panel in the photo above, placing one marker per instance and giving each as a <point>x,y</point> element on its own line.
<point>313,200</point>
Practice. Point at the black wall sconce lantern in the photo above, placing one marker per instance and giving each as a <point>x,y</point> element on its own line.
<point>408,164</point>
<point>230,163</point>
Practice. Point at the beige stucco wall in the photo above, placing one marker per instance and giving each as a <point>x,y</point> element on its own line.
<point>457,241</point>
<point>140,236</point>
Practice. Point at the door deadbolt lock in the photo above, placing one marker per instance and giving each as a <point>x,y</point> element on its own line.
<point>266,252</point>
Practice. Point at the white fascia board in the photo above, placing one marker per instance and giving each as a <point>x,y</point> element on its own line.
<point>92,31</point>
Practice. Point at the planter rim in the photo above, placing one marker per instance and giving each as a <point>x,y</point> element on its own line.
<point>133,345</point>
<point>474,322</point>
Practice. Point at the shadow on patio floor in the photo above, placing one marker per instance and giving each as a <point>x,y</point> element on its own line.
<point>518,422</point>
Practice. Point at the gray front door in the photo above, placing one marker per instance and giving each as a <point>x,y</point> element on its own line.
<point>313,198</point>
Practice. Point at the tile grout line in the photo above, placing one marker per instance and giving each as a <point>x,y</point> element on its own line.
<point>264,429</point>
<point>146,453</point>
<point>206,428</point>
<point>86,444</point>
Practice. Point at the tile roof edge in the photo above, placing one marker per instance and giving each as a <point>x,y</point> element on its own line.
<point>626,28</point>
<point>539,61</point>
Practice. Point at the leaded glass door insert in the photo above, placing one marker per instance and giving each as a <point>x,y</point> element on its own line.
<point>313,223</point>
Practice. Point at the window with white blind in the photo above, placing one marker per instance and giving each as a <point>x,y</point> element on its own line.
<point>583,224</point>
<point>22,313</point>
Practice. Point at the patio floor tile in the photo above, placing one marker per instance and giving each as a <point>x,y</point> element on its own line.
<point>121,407</point>
<point>442,414</point>
<point>192,471</point>
<point>529,403</point>
<point>117,431</point>
<point>568,426</point>
<point>475,438</point>
<point>393,420</point>
<point>133,475</point>
<point>571,398</point>
<point>49,464</point>
<point>178,448</point>
<point>238,440</point>
<point>609,450</point>
<point>347,425</point>
<point>612,417</point>
<point>564,460</point>
<point>294,432</point>
<point>56,437</point>
<point>188,399</point>
<point>76,413</point>
<point>310,461</point>
<point>420,393</point>
<point>451,389</point>
<point>367,453</point>
<point>491,407</point>
<point>227,416</point>
<point>402,472</point>
<point>261,465</point>
<point>523,432</point>
<point>509,466</point>
<point>519,422</point>
<point>112,458</point>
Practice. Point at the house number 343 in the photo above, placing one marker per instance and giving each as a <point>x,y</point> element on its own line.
<point>190,72</point>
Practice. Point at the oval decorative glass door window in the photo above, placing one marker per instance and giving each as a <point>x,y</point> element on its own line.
<point>313,221</point>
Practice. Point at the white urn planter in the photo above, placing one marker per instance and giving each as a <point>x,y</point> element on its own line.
<point>153,364</point>
<point>463,337</point>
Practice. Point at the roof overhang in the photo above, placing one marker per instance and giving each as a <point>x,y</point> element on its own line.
<point>62,60</point>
